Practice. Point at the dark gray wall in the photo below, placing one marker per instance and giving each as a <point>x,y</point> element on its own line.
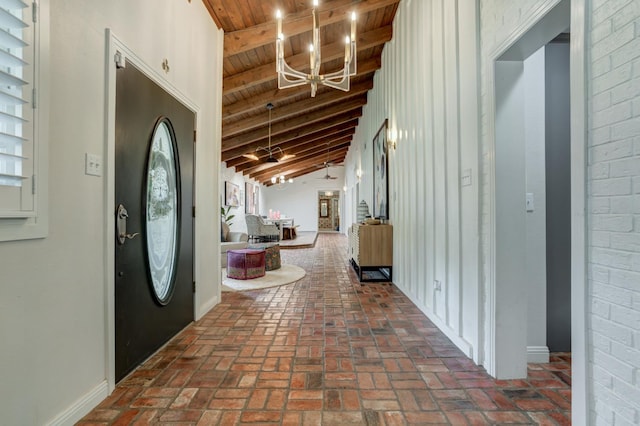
<point>558,188</point>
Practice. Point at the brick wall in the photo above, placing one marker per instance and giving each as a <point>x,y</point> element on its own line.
<point>614,211</point>
<point>613,83</point>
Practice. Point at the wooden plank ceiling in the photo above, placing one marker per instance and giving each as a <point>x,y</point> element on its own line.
<point>316,130</point>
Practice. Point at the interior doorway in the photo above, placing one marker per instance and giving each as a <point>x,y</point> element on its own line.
<point>329,211</point>
<point>532,126</point>
<point>531,287</point>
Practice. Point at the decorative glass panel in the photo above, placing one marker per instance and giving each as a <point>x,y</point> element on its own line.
<point>162,221</point>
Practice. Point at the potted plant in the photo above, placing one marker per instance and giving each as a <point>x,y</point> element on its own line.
<point>226,217</point>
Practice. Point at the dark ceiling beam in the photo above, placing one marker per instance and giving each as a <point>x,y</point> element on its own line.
<point>293,24</point>
<point>302,121</point>
<point>265,73</point>
<point>310,162</point>
<point>312,133</point>
<point>298,150</point>
<point>308,170</point>
<point>265,176</point>
<point>315,152</point>
<point>278,96</point>
<point>288,111</point>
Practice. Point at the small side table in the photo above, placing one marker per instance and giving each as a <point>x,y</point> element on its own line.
<point>245,264</point>
<point>272,255</point>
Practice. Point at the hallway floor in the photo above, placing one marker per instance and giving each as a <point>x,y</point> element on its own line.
<point>327,351</point>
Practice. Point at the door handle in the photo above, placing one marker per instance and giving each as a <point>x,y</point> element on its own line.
<point>121,225</point>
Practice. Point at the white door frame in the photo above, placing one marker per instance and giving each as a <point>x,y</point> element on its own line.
<point>114,46</point>
<point>579,294</point>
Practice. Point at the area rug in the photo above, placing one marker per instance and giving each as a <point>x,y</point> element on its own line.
<point>286,274</point>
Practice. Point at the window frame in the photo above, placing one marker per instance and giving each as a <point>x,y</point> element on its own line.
<point>32,222</point>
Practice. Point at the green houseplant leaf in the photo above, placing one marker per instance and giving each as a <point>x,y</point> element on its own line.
<point>225,215</point>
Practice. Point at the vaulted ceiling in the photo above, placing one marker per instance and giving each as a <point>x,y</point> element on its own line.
<point>317,130</point>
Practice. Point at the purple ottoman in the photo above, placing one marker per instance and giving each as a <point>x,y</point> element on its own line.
<point>245,264</point>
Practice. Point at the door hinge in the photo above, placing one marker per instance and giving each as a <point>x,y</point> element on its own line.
<point>195,135</point>
<point>194,286</point>
<point>193,211</point>
<point>33,184</point>
<point>34,99</point>
<point>119,59</point>
<point>34,12</point>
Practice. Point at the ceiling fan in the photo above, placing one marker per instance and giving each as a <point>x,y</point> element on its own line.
<point>327,176</point>
<point>270,151</point>
<point>326,164</point>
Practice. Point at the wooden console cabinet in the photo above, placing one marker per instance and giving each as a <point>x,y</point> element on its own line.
<point>371,251</point>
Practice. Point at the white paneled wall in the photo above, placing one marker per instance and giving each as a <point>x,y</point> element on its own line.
<point>426,86</point>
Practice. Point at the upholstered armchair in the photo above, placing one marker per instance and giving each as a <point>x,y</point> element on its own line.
<point>258,230</point>
<point>230,240</point>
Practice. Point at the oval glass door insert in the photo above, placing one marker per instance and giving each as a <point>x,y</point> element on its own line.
<point>162,211</point>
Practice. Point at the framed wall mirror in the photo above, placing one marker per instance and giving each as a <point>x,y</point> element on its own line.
<point>324,208</point>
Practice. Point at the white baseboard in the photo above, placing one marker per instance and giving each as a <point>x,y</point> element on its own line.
<point>206,307</point>
<point>538,354</point>
<point>82,406</point>
<point>460,342</point>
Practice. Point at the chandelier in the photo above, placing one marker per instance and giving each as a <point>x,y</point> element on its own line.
<point>268,149</point>
<point>279,181</point>
<point>288,77</point>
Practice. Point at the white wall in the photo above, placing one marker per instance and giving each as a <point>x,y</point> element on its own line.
<point>300,199</point>
<point>427,88</point>
<point>536,250</point>
<point>229,174</point>
<point>52,297</point>
<point>510,222</point>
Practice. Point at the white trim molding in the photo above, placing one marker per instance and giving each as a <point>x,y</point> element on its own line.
<point>538,354</point>
<point>82,406</point>
<point>580,390</point>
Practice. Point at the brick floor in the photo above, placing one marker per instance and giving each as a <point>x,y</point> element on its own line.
<point>327,350</point>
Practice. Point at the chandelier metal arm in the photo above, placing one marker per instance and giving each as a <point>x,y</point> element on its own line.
<point>270,150</point>
<point>290,76</point>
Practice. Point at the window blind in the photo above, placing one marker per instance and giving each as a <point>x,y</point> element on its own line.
<point>13,96</point>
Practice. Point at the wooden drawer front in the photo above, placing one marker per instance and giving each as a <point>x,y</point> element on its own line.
<point>376,245</point>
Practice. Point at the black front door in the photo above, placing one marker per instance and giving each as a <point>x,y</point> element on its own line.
<point>154,224</point>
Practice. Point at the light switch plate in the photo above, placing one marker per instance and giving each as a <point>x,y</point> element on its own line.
<point>529,202</point>
<point>466,177</point>
<point>92,164</point>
